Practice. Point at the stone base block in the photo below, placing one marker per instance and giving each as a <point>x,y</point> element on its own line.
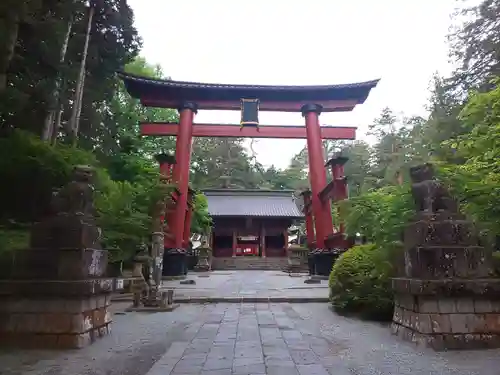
<point>53,322</point>
<point>23,340</point>
<point>443,342</point>
<point>448,321</point>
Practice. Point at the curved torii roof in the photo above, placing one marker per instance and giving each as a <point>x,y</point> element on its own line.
<point>170,94</point>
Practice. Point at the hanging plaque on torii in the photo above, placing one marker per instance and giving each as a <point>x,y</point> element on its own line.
<point>249,113</point>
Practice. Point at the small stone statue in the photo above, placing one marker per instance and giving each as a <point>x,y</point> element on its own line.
<point>77,196</point>
<point>71,221</point>
<point>429,194</point>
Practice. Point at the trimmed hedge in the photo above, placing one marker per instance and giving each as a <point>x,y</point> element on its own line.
<point>360,282</point>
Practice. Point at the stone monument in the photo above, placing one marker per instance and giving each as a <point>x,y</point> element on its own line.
<point>147,295</point>
<point>57,295</point>
<point>140,287</point>
<point>446,298</point>
<point>205,252</point>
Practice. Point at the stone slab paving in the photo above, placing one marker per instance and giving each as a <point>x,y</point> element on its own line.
<point>247,284</point>
<point>245,339</point>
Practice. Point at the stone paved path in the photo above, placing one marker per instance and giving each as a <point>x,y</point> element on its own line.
<point>241,339</point>
<point>248,283</point>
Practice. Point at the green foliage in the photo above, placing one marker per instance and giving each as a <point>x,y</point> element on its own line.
<point>476,181</point>
<point>30,170</point>
<point>379,215</point>
<point>34,169</point>
<point>13,239</point>
<point>360,282</point>
<point>496,263</point>
<point>38,31</point>
<point>124,216</point>
<point>201,222</point>
<point>127,113</point>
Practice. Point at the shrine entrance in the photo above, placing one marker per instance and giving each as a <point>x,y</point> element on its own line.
<point>310,101</point>
<point>251,223</point>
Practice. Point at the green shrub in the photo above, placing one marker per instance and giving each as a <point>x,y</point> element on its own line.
<point>126,188</point>
<point>30,170</point>
<point>379,215</point>
<point>360,282</point>
<point>496,263</point>
<point>13,239</point>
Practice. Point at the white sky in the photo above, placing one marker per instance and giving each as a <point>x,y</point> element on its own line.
<point>299,42</point>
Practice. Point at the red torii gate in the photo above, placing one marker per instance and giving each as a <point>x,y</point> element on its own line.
<point>189,97</point>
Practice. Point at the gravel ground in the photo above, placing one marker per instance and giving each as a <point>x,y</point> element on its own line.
<point>239,339</point>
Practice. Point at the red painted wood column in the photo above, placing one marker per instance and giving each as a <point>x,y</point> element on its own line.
<point>181,170</point>
<point>317,174</point>
<point>234,242</point>
<point>340,181</point>
<point>263,242</point>
<point>187,222</point>
<point>308,217</point>
<point>166,163</point>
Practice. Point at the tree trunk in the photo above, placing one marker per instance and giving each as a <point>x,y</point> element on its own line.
<point>75,117</point>
<point>57,124</point>
<point>79,110</point>
<point>50,126</point>
<point>11,32</point>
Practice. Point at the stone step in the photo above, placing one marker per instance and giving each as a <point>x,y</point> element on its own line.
<point>270,263</point>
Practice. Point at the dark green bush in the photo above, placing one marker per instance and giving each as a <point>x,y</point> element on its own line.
<point>496,263</point>
<point>13,239</point>
<point>360,282</point>
<point>30,169</point>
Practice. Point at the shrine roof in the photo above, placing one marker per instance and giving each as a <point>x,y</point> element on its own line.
<point>252,203</point>
<point>170,94</point>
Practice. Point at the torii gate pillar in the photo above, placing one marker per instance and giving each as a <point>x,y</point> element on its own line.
<point>181,170</point>
<point>317,174</point>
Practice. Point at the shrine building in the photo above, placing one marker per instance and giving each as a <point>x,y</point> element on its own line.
<point>251,223</point>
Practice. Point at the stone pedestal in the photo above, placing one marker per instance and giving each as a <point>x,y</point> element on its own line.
<point>446,298</point>
<point>202,264</point>
<point>448,314</point>
<point>57,295</point>
<point>53,314</point>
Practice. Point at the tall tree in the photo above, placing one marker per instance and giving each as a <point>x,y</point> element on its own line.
<point>12,14</point>
<point>36,66</point>
<point>475,44</point>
